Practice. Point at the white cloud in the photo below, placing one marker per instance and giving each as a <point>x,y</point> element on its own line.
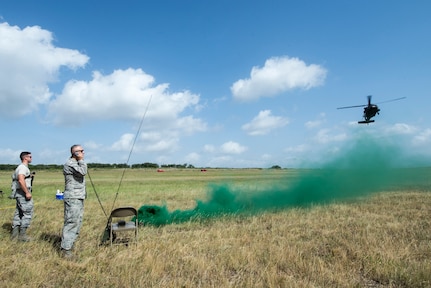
<point>155,141</point>
<point>325,136</point>
<point>47,155</point>
<point>29,62</point>
<point>264,123</point>
<point>232,148</point>
<point>151,141</point>
<point>297,149</point>
<point>278,75</point>
<point>10,156</point>
<point>165,145</point>
<point>92,145</point>
<point>401,128</point>
<point>209,148</point>
<point>160,141</point>
<point>192,158</point>
<point>189,124</point>
<point>313,124</point>
<point>316,123</point>
<point>124,143</point>
<point>424,137</point>
<point>125,94</point>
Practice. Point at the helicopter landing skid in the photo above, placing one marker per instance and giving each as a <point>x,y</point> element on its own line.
<point>365,122</point>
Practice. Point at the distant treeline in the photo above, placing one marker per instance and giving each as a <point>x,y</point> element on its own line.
<point>97,165</point>
<point>11,167</point>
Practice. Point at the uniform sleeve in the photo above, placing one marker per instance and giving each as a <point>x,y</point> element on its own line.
<point>76,167</point>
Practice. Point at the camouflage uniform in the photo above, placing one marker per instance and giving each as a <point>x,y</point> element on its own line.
<point>74,194</point>
<point>24,208</point>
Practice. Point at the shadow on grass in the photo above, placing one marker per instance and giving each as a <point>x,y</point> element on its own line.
<point>7,227</point>
<point>54,239</point>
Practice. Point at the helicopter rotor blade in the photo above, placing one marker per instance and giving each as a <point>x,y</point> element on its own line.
<point>391,100</point>
<point>352,106</point>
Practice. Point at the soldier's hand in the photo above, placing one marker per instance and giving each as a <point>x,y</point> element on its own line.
<point>27,196</point>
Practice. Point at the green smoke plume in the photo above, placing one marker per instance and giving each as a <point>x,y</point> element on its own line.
<point>366,166</point>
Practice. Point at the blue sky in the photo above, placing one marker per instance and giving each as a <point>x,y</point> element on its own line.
<point>226,83</point>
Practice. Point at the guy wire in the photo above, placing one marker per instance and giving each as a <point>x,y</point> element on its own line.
<point>131,150</point>
<point>95,192</point>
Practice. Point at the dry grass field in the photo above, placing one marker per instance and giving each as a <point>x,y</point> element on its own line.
<point>379,239</point>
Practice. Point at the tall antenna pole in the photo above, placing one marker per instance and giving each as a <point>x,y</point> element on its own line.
<point>131,150</point>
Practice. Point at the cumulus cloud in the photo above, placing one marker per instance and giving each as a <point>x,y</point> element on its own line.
<point>192,157</point>
<point>401,128</point>
<point>316,123</point>
<point>209,148</point>
<point>313,124</point>
<point>124,94</point>
<point>264,123</point>
<point>10,155</point>
<point>279,74</point>
<point>160,140</point>
<point>232,148</point>
<point>297,149</point>
<point>154,140</point>
<point>423,137</point>
<point>224,150</point>
<point>325,136</point>
<point>124,143</point>
<point>29,61</point>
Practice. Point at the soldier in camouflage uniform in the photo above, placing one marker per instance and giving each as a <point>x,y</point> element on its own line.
<point>74,171</point>
<point>21,192</point>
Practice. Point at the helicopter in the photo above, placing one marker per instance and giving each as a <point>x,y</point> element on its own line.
<point>370,110</point>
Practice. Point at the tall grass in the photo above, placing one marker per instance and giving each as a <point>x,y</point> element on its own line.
<point>381,240</point>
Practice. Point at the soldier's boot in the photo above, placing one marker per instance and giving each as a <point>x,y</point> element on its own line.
<point>15,232</point>
<point>67,254</point>
<point>23,236</point>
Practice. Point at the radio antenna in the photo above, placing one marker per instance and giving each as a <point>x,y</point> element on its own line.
<point>131,150</point>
